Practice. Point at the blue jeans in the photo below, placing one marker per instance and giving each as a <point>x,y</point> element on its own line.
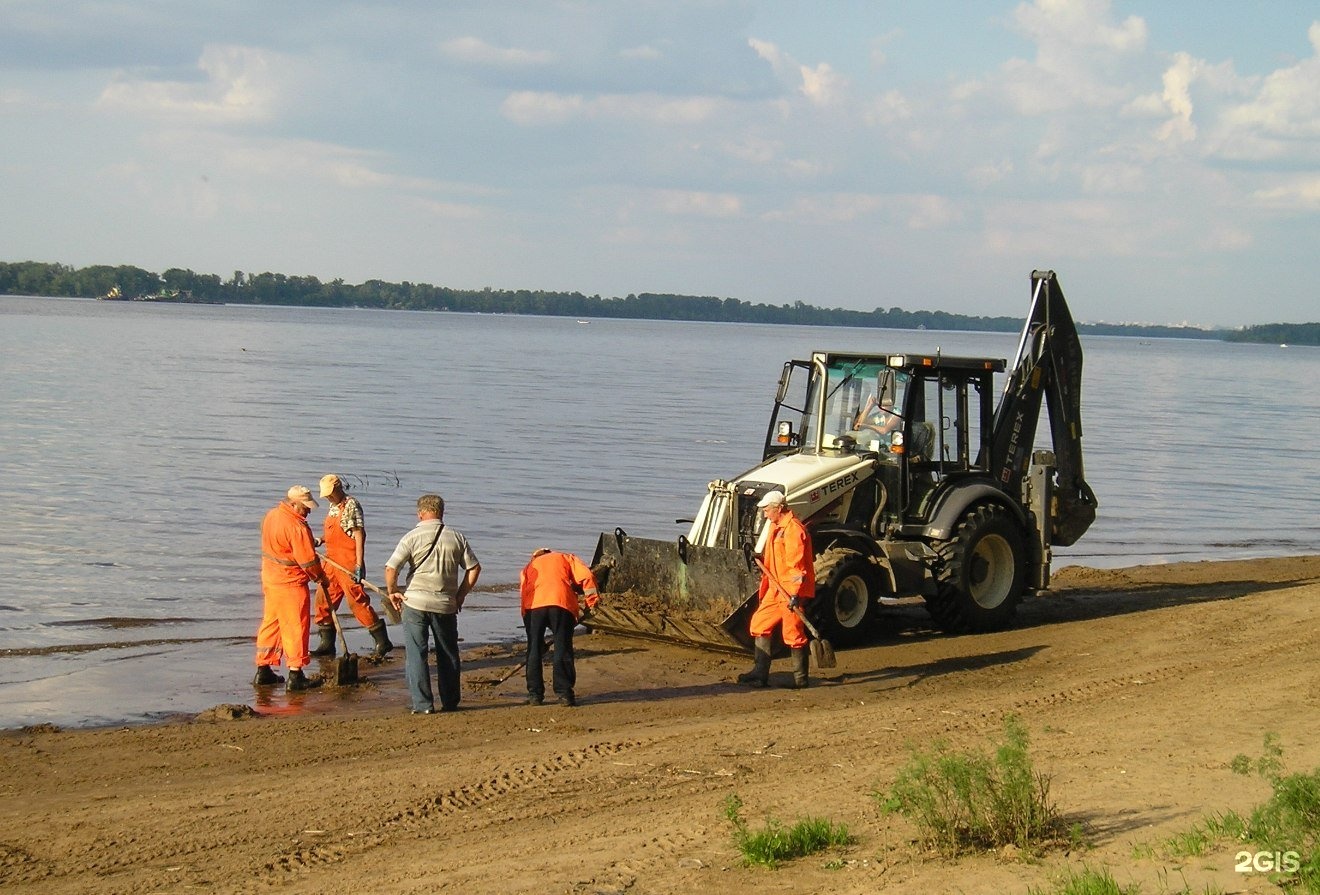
<point>417,627</point>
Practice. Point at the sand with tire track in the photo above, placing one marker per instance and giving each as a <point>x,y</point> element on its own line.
<point>1138,687</point>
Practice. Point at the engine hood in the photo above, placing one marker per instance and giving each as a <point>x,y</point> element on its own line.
<point>811,481</point>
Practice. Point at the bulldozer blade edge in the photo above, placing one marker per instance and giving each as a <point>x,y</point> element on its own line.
<point>665,590</point>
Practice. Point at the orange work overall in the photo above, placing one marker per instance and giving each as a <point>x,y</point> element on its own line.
<point>340,547</point>
<point>288,562</point>
<point>788,559</point>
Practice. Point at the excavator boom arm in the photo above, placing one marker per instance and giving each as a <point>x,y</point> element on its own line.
<point>1048,366</point>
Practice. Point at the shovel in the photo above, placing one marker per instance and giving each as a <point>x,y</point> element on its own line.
<point>346,666</point>
<point>390,612</point>
<point>822,653</point>
<point>545,648</point>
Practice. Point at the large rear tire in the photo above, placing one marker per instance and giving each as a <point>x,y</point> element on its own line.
<point>982,573</point>
<point>846,587</point>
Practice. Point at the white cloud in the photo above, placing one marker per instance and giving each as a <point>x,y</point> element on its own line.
<point>238,86</point>
<point>1078,24</point>
<point>1070,229</point>
<point>889,108</point>
<point>821,85</point>
<point>985,174</point>
<point>531,108</point>
<point>698,204</point>
<point>1078,48</point>
<point>1301,194</point>
<point>931,212</point>
<point>479,52</point>
<point>1282,118</point>
<point>645,51</point>
<point>1112,179</point>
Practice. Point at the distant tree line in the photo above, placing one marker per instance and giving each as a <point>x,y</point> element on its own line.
<point>45,279</point>
<point>1278,334</point>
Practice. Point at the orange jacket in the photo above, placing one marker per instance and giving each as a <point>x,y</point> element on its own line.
<point>288,550</point>
<point>555,579</point>
<point>789,559</point>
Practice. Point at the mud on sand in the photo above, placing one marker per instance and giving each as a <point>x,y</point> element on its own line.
<point>1138,687</point>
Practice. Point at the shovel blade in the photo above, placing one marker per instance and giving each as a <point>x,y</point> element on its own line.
<point>346,671</point>
<point>822,653</point>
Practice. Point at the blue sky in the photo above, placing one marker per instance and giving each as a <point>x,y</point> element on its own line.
<point>1163,157</point>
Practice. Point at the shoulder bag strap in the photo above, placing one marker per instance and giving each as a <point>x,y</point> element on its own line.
<point>430,549</point>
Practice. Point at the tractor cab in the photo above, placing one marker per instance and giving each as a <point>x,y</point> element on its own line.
<point>922,416</point>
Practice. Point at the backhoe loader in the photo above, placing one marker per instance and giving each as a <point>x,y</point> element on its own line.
<point>910,480</point>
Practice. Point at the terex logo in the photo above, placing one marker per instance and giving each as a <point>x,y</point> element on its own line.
<point>839,484</point>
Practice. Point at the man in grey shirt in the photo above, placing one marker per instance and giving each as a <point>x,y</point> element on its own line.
<point>435,555</point>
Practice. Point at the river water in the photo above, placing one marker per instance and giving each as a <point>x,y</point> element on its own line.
<point>141,444</point>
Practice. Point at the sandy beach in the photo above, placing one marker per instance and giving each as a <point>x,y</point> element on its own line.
<point>1138,687</point>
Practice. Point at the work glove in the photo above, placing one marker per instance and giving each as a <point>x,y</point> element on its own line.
<point>794,603</point>
<point>359,573</point>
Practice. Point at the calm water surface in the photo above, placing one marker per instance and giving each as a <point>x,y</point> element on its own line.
<point>140,446</point>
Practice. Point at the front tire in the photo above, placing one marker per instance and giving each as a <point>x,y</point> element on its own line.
<point>982,573</point>
<point>846,587</point>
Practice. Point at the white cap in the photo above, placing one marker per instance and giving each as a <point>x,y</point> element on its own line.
<point>772,499</point>
<point>301,494</point>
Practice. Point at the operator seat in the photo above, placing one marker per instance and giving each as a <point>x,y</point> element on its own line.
<point>923,442</point>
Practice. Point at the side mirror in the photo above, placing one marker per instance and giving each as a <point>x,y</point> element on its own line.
<point>886,388</point>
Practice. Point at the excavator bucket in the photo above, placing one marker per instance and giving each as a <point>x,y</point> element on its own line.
<point>673,590</point>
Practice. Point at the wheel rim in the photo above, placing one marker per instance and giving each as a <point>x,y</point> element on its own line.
<point>991,572</point>
<point>851,600</point>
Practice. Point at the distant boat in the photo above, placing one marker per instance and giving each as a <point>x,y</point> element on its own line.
<point>113,295</point>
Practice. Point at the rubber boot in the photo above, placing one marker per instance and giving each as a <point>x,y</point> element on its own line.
<point>266,676</point>
<point>299,681</point>
<point>382,638</point>
<point>800,668</point>
<point>327,645</point>
<point>759,676</point>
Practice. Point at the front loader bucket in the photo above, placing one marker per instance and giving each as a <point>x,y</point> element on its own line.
<point>673,590</point>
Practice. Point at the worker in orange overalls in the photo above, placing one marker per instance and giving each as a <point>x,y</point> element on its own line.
<point>345,545</point>
<point>789,579</point>
<point>550,585</point>
<point>288,564</point>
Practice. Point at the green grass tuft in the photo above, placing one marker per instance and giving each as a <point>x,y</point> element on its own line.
<point>1088,882</point>
<point>776,843</point>
<point>967,800</point>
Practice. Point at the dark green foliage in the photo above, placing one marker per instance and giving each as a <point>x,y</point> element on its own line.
<point>1278,334</point>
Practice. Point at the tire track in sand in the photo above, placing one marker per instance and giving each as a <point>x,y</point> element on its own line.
<point>429,809</point>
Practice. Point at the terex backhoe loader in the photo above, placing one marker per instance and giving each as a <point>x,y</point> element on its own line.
<point>909,480</point>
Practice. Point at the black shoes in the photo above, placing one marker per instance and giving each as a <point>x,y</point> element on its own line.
<point>567,699</point>
<point>299,681</point>
<point>265,677</point>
